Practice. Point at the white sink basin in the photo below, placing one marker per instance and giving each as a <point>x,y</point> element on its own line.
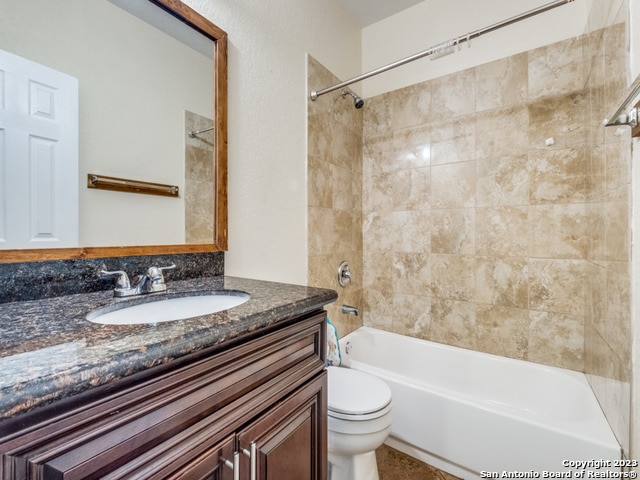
<point>167,310</point>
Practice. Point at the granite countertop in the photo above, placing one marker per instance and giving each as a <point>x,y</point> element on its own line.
<point>49,351</point>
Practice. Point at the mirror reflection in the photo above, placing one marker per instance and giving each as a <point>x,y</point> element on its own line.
<point>138,93</point>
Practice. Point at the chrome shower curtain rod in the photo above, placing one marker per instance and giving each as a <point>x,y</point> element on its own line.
<point>442,48</point>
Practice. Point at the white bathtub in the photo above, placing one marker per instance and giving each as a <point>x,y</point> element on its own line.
<point>477,415</point>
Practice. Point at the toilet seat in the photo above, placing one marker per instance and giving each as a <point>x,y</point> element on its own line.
<point>355,395</point>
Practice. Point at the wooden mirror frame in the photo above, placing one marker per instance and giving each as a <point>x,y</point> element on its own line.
<point>219,241</point>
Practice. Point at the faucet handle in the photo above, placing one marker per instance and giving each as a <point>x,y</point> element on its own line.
<point>123,280</point>
<point>344,274</point>
<point>123,285</point>
<point>157,278</point>
<point>155,273</point>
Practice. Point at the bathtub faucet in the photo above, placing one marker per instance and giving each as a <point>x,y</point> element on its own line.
<point>349,310</point>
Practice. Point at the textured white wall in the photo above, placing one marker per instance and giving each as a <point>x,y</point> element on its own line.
<point>634,48</point>
<point>635,298</point>
<point>268,44</point>
<point>435,21</point>
<point>634,22</point>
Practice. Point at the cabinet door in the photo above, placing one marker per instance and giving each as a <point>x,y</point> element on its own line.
<point>189,456</point>
<point>289,441</point>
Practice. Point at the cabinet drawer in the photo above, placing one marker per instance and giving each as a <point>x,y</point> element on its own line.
<point>104,434</point>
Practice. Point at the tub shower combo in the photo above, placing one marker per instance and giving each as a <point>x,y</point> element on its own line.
<point>473,414</point>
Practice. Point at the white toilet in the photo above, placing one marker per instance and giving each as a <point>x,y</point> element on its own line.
<point>359,421</point>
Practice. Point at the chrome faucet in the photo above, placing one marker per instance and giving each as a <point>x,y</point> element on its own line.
<point>151,282</point>
<point>349,310</point>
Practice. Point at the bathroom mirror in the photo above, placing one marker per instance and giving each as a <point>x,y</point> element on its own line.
<point>143,123</point>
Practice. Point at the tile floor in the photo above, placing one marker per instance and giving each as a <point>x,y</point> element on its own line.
<point>395,465</point>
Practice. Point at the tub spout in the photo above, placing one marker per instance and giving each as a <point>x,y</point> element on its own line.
<point>349,310</point>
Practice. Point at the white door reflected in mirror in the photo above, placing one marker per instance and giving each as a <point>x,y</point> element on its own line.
<point>38,155</point>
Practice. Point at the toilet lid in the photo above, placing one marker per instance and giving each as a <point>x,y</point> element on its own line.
<point>356,393</point>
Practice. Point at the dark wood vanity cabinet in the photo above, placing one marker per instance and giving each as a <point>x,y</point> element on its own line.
<point>254,410</point>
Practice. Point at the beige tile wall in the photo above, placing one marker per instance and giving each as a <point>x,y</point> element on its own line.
<point>334,179</point>
<point>475,229</point>
<point>607,326</point>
